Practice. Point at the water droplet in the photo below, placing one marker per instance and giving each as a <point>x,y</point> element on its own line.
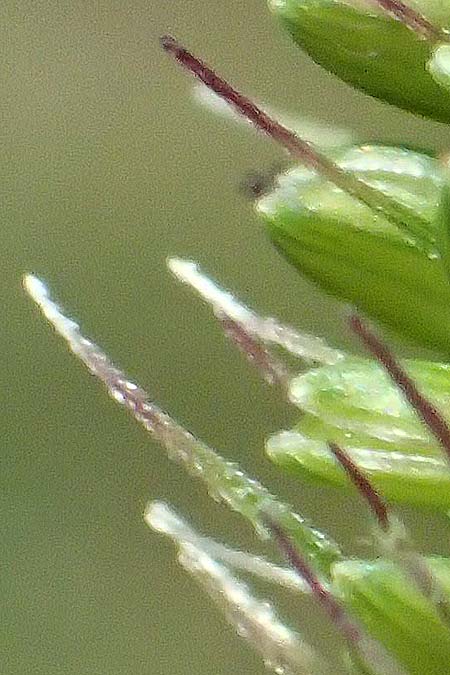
<point>242,630</point>
<point>277,667</point>
<point>117,395</point>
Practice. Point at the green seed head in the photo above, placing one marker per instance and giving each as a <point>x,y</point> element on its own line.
<point>354,403</point>
<point>392,271</point>
<point>384,50</point>
<point>396,613</point>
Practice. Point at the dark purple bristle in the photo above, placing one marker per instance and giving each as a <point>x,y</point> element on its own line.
<point>413,20</point>
<point>295,145</point>
<point>326,599</point>
<point>431,417</point>
<point>300,149</point>
<point>271,368</point>
<point>363,485</point>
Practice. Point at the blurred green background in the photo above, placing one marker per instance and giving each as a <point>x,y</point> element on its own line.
<point>108,166</point>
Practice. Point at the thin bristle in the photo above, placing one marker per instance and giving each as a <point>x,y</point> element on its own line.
<point>363,485</point>
<point>331,606</point>
<point>224,479</point>
<point>375,659</point>
<point>272,369</point>
<point>309,348</point>
<point>431,417</point>
<point>297,147</point>
<point>413,20</point>
<point>160,517</point>
<point>395,540</point>
<point>282,649</point>
<point>247,108</point>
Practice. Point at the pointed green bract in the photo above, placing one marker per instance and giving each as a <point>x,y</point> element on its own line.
<point>357,395</point>
<point>392,274</point>
<point>372,51</point>
<point>413,479</point>
<point>396,614</point>
<point>354,404</point>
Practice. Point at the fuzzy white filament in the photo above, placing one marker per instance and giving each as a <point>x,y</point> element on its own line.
<point>312,131</point>
<point>181,445</point>
<point>256,621</point>
<point>224,480</point>
<point>267,329</point>
<point>162,518</point>
<point>38,291</point>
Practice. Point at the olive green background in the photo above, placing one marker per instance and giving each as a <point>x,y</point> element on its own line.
<point>108,167</point>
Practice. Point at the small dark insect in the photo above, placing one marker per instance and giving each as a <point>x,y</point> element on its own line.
<point>255,183</point>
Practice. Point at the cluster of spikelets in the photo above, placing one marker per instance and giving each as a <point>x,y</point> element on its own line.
<point>369,224</point>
